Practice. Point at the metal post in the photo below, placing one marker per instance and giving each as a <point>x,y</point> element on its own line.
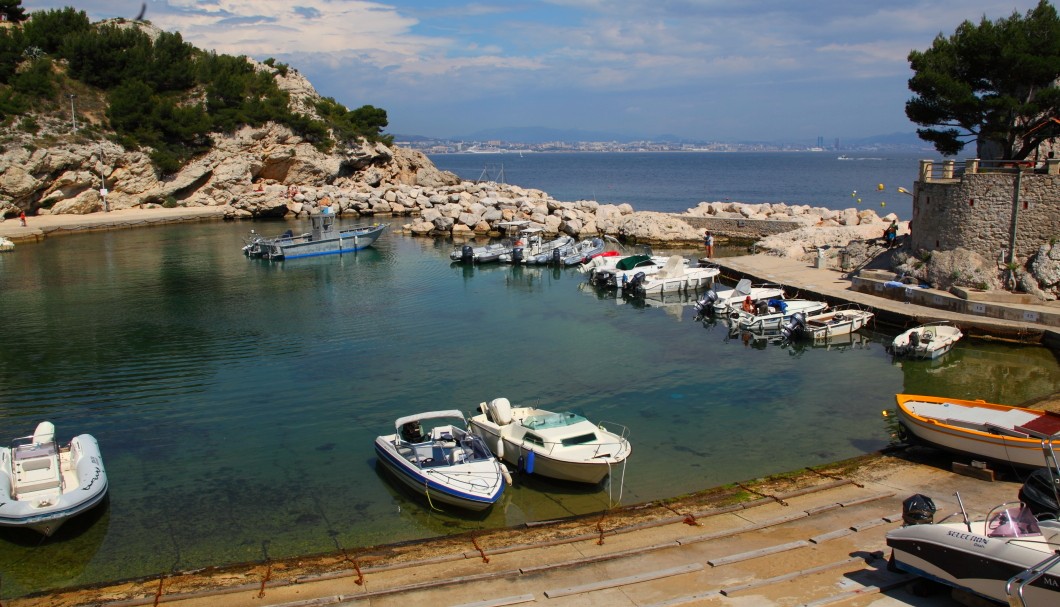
<point>73,117</point>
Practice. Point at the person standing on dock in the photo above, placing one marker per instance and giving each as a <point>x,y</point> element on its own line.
<point>708,241</point>
<point>22,218</point>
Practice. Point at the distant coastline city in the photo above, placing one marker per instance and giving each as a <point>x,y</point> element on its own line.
<point>498,146</point>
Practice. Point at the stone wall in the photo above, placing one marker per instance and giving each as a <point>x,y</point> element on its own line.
<point>740,228</point>
<point>974,211</point>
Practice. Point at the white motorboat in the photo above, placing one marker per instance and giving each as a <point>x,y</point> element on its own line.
<point>6,244</point>
<point>562,446</point>
<point>617,272</point>
<point>774,313</point>
<point>444,462</point>
<point>1010,556</point>
<point>973,427</point>
<point>324,238</point>
<point>826,324</point>
<point>673,277</point>
<point>43,483</point>
<point>928,341</point>
<point>722,300</point>
<point>531,245</point>
<point>491,252</point>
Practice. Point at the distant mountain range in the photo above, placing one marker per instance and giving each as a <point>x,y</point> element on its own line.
<point>538,135</point>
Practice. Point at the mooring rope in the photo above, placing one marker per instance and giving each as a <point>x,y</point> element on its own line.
<point>772,497</point>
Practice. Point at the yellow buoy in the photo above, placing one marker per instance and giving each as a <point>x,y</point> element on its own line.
<point>883,204</point>
<point>880,187</point>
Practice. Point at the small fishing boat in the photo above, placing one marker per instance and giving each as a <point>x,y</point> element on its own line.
<point>827,323</point>
<point>774,313</point>
<point>6,244</point>
<point>674,276</point>
<point>928,341</point>
<point>1010,556</point>
<point>562,446</point>
<point>721,300</point>
<point>493,251</point>
<point>1012,435</point>
<point>43,483</point>
<point>322,239</point>
<point>444,462</point>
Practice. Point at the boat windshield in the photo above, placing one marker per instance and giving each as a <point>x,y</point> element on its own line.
<point>1015,521</point>
<point>552,420</point>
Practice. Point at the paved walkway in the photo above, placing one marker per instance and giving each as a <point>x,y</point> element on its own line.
<point>37,227</point>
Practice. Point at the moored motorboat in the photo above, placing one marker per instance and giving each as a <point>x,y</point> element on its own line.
<point>615,273</point>
<point>978,429</point>
<point>443,462</point>
<point>827,323</point>
<point>531,247</point>
<point>491,252</point>
<point>774,313</point>
<point>563,445</point>
<point>579,252</point>
<point>324,238</point>
<point>674,276</point>
<point>6,244</point>
<point>1009,556</point>
<point>721,300</point>
<point>43,483</point>
<point>927,341</point>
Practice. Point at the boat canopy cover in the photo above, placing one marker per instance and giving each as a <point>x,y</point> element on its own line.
<point>743,287</point>
<point>401,421</point>
<point>780,304</point>
<point>628,263</point>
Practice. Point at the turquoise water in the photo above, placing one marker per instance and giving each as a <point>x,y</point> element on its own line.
<point>236,400</point>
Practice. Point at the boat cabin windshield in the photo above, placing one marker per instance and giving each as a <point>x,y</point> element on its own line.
<point>552,420</point>
<point>1011,520</point>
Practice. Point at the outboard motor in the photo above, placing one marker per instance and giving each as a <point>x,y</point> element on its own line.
<point>918,510</point>
<point>636,281</point>
<point>914,339</point>
<point>1040,492</point>
<point>467,253</point>
<point>557,257</point>
<point>795,326</point>
<point>706,304</point>
<point>517,255</point>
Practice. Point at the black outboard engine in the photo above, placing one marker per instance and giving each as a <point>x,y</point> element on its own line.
<point>557,257</point>
<point>636,281</point>
<point>517,255</point>
<point>914,339</point>
<point>795,326</point>
<point>706,304</point>
<point>1040,492</point>
<point>918,510</point>
<point>467,253</point>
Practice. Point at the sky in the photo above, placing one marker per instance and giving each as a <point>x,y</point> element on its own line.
<point>705,70</point>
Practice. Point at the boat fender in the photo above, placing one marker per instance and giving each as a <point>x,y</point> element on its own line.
<point>507,475</point>
<point>903,433</point>
<point>500,448</point>
<point>530,462</point>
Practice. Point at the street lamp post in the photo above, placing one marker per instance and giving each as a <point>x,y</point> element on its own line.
<point>73,117</point>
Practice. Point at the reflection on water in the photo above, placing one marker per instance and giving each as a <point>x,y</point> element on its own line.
<point>236,400</point>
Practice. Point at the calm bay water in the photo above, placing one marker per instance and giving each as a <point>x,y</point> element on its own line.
<point>676,181</point>
<point>236,400</point>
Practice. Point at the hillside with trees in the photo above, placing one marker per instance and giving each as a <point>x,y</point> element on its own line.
<point>146,89</point>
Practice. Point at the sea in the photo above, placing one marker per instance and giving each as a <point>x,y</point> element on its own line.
<point>674,182</point>
<point>236,401</point>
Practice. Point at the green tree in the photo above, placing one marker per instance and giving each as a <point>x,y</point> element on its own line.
<point>47,30</point>
<point>989,83</point>
<point>11,47</point>
<point>13,9</point>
